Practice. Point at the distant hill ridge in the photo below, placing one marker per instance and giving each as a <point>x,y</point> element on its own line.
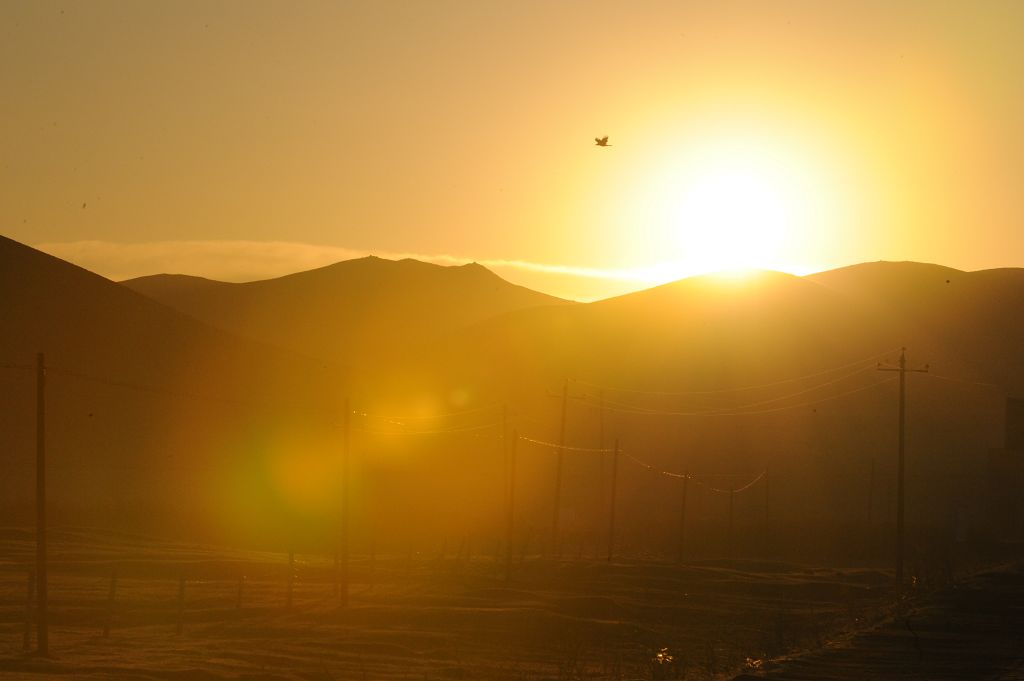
<point>366,306</point>
<point>138,396</point>
<point>206,382</point>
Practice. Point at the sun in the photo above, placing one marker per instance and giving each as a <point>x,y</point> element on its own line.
<point>734,209</point>
<point>729,206</point>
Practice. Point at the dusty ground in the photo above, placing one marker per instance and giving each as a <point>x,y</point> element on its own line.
<point>971,630</point>
<point>433,617</point>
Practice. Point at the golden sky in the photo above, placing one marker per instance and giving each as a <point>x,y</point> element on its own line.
<point>241,140</point>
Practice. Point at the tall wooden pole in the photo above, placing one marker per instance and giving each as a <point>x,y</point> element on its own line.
<point>681,551</point>
<point>767,512</point>
<point>611,505</point>
<point>870,496</point>
<point>42,619</point>
<point>510,509</point>
<point>558,471</point>
<point>290,590</point>
<point>505,483</point>
<point>602,497</point>
<point>346,489</point>
<point>732,497</point>
<point>900,476</point>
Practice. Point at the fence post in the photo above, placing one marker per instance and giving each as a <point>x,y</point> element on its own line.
<point>42,604</point>
<point>343,575</point>
<point>611,507</point>
<point>732,497</point>
<point>682,519</point>
<point>510,509</point>
<point>767,514</point>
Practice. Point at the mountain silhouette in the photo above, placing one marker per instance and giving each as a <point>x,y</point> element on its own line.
<point>142,400</point>
<point>161,412</point>
<point>361,310</point>
<point>970,320</point>
<point>696,374</point>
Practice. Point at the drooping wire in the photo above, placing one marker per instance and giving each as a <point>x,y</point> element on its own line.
<point>649,467</point>
<point>17,367</point>
<point>653,469</point>
<point>720,391</point>
<point>629,409</point>
<point>451,414</point>
<point>437,431</point>
<point>954,379</point>
<point>165,392</point>
<point>555,445</point>
<point>734,490</point>
<point>738,407</point>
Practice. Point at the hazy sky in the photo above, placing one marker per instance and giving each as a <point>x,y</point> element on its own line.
<point>248,139</point>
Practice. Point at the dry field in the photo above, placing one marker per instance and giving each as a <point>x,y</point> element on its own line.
<point>417,616</point>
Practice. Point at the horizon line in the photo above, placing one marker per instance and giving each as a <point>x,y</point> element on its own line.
<point>243,261</point>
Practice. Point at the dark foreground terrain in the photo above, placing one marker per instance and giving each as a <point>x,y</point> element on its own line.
<point>973,629</point>
<point>439,615</point>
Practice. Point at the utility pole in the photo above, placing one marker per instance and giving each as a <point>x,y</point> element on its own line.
<point>505,487</point>
<point>611,507</point>
<point>732,499</point>
<point>900,476</point>
<point>346,488</point>
<point>510,510</point>
<point>681,552</point>
<point>602,497</point>
<point>767,512</point>
<point>42,620</point>
<point>558,471</point>
<point>871,502</point>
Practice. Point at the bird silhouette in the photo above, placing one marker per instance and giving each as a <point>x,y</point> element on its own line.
<point>602,141</point>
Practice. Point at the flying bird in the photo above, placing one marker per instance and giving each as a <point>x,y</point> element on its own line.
<point>602,141</point>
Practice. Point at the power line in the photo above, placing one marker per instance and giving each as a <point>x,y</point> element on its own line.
<point>21,367</point>
<point>531,419</point>
<point>665,412</point>
<point>954,379</point>
<point>438,431</point>
<point>167,392</point>
<point>395,418</point>
<point>695,477</point>
<point>756,403</point>
<point>555,445</point>
<point>902,370</point>
<point>644,464</point>
<point>804,391</point>
<point>720,391</point>
<point>735,490</point>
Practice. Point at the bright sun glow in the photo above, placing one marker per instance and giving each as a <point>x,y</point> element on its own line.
<point>733,216</point>
<point>732,206</point>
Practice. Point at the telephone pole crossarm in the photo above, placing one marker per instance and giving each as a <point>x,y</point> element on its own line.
<point>900,477</point>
